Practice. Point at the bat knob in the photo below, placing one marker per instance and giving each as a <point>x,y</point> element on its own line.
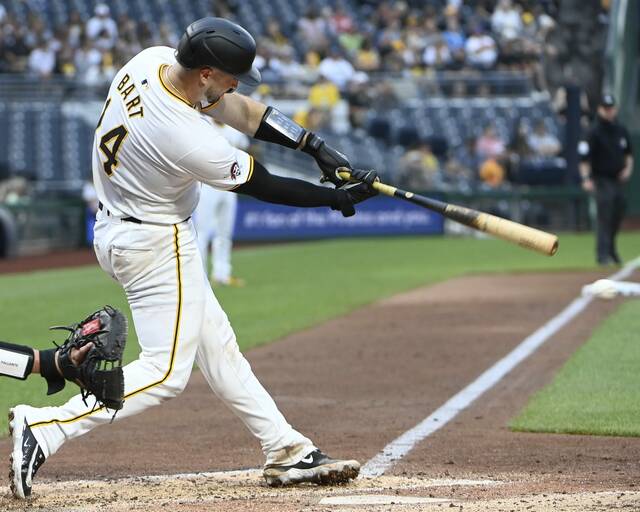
<point>344,173</point>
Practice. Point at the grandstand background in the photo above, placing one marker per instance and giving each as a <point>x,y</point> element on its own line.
<point>482,102</point>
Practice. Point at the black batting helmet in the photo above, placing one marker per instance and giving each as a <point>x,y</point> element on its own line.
<point>221,44</point>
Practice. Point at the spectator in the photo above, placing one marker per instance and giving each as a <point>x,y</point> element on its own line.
<point>128,45</point>
<point>351,41</point>
<point>518,149</point>
<point>100,22</point>
<point>87,59</point>
<point>492,173</point>
<point>289,68</point>
<point>36,31</point>
<point>65,62</point>
<point>519,143</point>
<point>542,142</point>
<point>102,73</point>
<point>506,22</point>
<point>336,68</point>
<point>324,94</point>
<point>457,176</point>
<point>480,50</point>
<point>467,155</point>
<point>419,168</point>
<point>16,48</point>
<point>455,39</point>
<point>312,29</point>
<point>76,29</point>
<point>367,57</point>
<point>415,39</point>
<point>103,42</point>
<point>359,99</point>
<point>437,55</point>
<point>341,22</point>
<point>489,144</point>
<point>42,60</point>
<point>145,34</point>
<point>275,41</point>
<point>314,119</point>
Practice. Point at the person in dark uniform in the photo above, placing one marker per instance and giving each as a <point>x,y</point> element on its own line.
<point>606,165</point>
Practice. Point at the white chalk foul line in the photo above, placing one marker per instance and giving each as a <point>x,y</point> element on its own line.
<point>399,447</point>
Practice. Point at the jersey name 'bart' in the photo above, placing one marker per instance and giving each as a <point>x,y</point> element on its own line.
<point>126,91</point>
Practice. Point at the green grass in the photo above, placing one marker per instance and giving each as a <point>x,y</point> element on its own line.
<point>290,287</point>
<point>596,392</point>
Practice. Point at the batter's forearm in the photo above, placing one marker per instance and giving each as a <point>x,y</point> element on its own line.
<point>288,191</point>
<point>585,171</point>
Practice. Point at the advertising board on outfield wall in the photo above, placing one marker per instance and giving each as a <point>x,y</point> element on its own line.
<point>257,221</point>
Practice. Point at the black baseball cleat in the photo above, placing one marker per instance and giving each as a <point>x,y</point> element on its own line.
<point>27,455</point>
<point>315,468</point>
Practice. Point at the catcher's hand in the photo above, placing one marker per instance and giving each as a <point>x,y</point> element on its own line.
<point>92,356</point>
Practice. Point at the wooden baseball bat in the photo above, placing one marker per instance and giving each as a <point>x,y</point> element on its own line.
<point>525,236</point>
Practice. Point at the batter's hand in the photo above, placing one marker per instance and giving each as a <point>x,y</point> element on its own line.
<point>327,158</point>
<point>366,176</point>
<point>357,191</point>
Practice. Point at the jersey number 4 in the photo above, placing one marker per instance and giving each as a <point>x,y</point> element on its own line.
<point>109,145</point>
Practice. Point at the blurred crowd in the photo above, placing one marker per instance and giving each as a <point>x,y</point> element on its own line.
<point>409,36</point>
<point>90,51</point>
<point>403,36</point>
<point>332,60</point>
<point>488,161</point>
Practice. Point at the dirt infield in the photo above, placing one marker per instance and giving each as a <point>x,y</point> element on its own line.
<point>60,259</point>
<point>353,385</point>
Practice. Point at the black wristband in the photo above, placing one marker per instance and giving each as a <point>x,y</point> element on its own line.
<point>49,371</point>
<point>277,128</point>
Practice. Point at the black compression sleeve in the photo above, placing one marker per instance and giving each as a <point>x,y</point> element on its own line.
<point>292,192</point>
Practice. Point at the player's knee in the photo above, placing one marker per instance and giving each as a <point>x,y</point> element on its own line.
<point>170,378</point>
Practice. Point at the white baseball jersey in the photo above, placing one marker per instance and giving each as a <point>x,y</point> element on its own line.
<point>152,148</point>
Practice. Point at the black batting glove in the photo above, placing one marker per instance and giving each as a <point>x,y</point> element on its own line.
<point>356,192</point>
<point>365,176</point>
<point>327,158</point>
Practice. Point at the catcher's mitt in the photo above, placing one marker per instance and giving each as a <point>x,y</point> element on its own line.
<point>100,373</point>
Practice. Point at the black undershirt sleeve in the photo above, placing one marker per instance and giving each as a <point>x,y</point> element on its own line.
<point>289,191</point>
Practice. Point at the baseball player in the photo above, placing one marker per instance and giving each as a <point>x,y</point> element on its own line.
<point>214,219</point>
<point>153,146</point>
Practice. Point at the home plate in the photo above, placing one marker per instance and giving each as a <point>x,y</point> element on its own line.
<point>379,499</point>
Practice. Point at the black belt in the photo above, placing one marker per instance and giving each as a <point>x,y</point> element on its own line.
<point>126,219</point>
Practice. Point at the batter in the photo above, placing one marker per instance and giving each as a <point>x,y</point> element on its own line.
<point>153,147</point>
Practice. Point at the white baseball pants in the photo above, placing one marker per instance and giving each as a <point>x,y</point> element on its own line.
<point>178,320</point>
<point>214,219</point>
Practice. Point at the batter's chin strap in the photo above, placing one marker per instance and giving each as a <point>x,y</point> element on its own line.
<point>15,360</point>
